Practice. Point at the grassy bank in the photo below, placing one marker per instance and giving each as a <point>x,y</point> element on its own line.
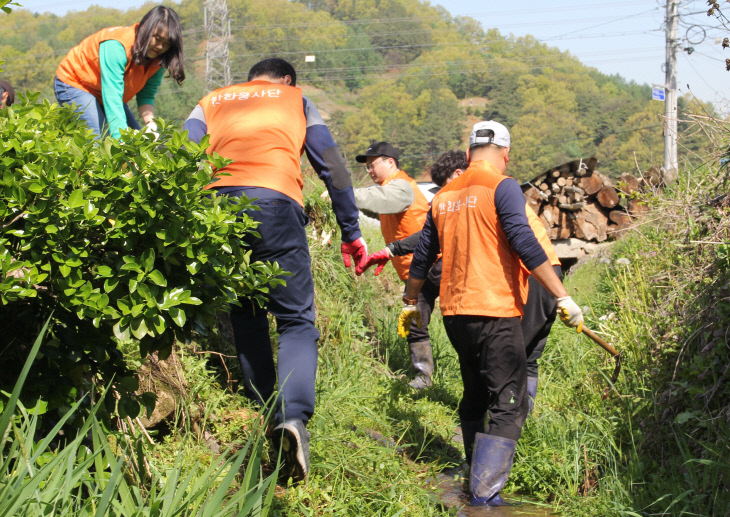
<point>657,446</point>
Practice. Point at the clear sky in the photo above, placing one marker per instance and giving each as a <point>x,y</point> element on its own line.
<point>623,37</point>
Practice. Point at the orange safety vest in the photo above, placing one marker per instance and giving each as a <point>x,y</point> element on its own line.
<point>404,224</point>
<point>542,236</point>
<point>80,68</point>
<point>538,228</point>
<point>481,274</point>
<point>261,126</point>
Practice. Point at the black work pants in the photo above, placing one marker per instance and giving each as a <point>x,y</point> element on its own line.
<point>540,313</point>
<point>493,367</point>
<point>426,301</point>
<point>284,240</point>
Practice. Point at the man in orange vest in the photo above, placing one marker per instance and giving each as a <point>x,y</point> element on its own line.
<point>265,125</point>
<point>401,207</point>
<point>479,224</point>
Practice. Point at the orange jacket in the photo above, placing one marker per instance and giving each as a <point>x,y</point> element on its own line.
<point>481,274</point>
<point>262,127</point>
<point>399,226</point>
<point>80,68</point>
<point>542,236</point>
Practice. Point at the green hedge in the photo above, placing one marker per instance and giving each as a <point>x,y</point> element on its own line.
<point>118,241</point>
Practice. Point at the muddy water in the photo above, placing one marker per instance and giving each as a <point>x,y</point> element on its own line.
<point>450,487</point>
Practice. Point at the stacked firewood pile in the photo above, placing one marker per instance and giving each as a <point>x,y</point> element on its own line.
<point>575,200</point>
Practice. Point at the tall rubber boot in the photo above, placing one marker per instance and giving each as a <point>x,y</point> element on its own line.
<point>531,392</point>
<point>422,359</point>
<point>490,467</point>
<point>469,430</point>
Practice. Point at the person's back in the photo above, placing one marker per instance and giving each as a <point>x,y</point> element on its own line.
<point>262,127</point>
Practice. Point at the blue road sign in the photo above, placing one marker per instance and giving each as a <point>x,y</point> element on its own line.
<point>657,94</point>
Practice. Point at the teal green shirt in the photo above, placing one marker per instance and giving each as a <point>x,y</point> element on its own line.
<point>113,62</point>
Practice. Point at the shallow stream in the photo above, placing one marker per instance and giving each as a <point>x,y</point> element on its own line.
<point>450,489</point>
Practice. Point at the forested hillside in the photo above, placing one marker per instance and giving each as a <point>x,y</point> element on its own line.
<point>398,70</point>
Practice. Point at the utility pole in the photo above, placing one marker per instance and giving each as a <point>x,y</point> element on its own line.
<point>218,31</point>
<point>671,166</point>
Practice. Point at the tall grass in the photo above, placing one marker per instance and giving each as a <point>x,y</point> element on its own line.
<point>92,474</point>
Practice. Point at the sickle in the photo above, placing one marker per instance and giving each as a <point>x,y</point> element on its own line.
<point>611,350</point>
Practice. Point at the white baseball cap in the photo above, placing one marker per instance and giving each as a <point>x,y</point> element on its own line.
<point>500,138</point>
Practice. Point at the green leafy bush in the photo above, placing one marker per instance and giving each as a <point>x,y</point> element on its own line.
<point>119,241</point>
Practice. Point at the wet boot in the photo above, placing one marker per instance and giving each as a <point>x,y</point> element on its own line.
<point>422,359</point>
<point>531,392</point>
<point>490,468</point>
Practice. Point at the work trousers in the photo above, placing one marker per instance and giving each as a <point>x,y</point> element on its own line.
<point>426,301</point>
<point>493,368</point>
<point>540,313</point>
<point>89,108</point>
<point>284,240</point>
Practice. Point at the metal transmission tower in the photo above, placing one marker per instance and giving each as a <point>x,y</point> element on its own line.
<point>670,79</point>
<point>218,30</point>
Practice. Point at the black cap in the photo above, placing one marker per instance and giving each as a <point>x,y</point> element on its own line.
<point>5,86</point>
<point>378,149</point>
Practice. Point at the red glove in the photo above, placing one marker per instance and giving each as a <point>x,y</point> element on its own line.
<point>380,258</point>
<point>359,251</point>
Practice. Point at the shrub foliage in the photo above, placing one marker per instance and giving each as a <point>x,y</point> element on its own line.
<point>117,240</point>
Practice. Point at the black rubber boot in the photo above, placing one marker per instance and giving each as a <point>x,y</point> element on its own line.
<point>422,359</point>
<point>531,392</point>
<point>292,438</point>
<point>490,468</point>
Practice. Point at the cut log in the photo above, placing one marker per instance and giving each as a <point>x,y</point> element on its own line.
<point>533,198</point>
<point>544,186</point>
<point>545,222</point>
<point>591,224</point>
<point>569,181</point>
<point>653,177</point>
<point>591,184</point>
<point>572,207</point>
<point>562,200</point>
<point>555,174</point>
<point>551,214</point>
<point>619,217</point>
<point>637,207</point>
<point>606,180</point>
<point>577,190</point>
<point>532,193</point>
<point>622,226</point>
<point>561,182</point>
<point>555,187</point>
<point>608,197</point>
<point>566,226</point>
<point>629,184</point>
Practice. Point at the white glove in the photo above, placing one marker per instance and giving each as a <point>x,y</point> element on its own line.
<point>570,313</point>
<point>152,128</point>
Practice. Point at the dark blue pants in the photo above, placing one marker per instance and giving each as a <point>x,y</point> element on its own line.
<point>426,301</point>
<point>89,108</point>
<point>493,368</point>
<point>283,240</point>
<point>540,311</point>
